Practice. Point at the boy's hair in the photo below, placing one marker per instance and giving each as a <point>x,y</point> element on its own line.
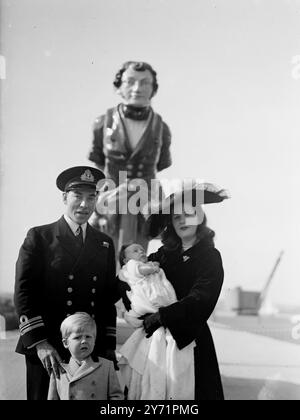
<point>78,320</point>
<point>122,255</point>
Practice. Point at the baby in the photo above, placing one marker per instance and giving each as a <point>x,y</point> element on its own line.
<point>150,288</point>
<point>83,378</point>
<point>152,368</point>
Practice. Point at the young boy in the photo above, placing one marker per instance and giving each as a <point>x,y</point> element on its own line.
<point>83,378</point>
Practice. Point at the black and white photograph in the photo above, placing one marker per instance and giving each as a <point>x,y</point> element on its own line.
<point>149,205</point>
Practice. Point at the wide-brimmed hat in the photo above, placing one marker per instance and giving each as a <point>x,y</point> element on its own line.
<point>193,193</point>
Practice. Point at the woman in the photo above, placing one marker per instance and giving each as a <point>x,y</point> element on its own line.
<point>194,267</point>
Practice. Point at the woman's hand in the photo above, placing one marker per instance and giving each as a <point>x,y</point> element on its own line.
<point>151,323</point>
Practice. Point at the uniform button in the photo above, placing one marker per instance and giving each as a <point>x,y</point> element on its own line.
<point>92,395</point>
<point>71,277</point>
<point>69,303</point>
<point>141,166</point>
<point>129,174</point>
<point>68,315</point>
<point>72,397</point>
<point>93,383</point>
<point>93,290</point>
<point>140,174</point>
<point>95,278</point>
<point>70,289</point>
<point>93,316</point>
<point>129,166</point>
<point>92,303</point>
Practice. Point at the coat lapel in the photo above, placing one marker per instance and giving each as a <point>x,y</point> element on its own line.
<point>66,237</point>
<point>193,252</point>
<point>91,247</point>
<point>118,133</point>
<point>145,137</point>
<point>76,372</point>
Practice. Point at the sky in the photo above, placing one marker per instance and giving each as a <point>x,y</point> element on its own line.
<point>229,85</point>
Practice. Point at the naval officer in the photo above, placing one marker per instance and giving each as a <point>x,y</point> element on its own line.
<point>62,268</point>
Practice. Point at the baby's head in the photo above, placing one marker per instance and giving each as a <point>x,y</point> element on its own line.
<point>79,334</point>
<point>132,252</point>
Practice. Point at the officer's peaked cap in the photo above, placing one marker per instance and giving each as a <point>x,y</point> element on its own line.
<point>79,176</point>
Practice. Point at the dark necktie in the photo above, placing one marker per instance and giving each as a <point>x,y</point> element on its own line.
<point>136,113</point>
<point>79,236</point>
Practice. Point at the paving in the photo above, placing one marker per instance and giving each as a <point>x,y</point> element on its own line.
<point>254,366</point>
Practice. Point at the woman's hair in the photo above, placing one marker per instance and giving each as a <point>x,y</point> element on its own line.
<point>138,66</point>
<point>122,253</point>
<point>77,321</point>
<point>172,242</point>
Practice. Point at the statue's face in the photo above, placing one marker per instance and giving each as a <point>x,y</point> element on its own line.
<point>136,88</point>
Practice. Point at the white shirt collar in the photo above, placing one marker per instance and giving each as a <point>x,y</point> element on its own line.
<point>74,226</point>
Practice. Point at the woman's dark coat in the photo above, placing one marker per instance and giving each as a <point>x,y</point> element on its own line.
<point>197,277</point>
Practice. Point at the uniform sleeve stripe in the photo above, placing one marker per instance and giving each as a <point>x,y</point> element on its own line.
<point>28,324</point>
<point>35,344</point>
<point>31,324</point>
<point>32,327</point>
<point>29,321</point>
<point>24,326</point>
<point>111,331</point>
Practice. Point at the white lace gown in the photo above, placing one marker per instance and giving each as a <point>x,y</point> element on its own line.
<point>153,368</point>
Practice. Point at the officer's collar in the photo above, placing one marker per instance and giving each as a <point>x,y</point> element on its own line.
<point>74,226</point>
<point>75,371</point>
<point>135,112</point>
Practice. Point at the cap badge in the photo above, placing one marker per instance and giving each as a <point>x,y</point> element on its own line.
<point>87,176</point>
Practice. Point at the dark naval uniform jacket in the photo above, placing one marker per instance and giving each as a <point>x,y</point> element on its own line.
<point>55,278</point>
<point>111,149</point>
<point>197,277</point>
